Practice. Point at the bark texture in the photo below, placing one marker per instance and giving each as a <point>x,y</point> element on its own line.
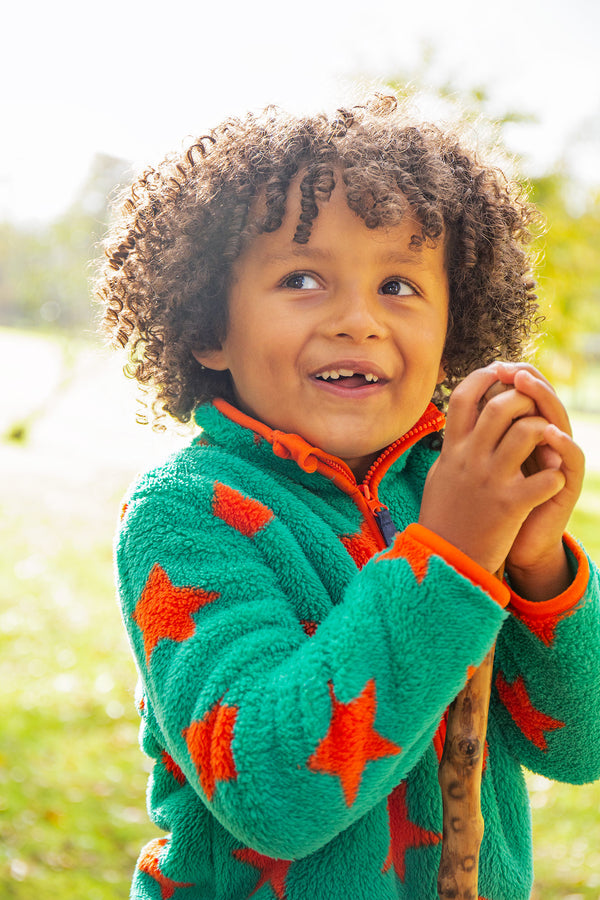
<point>460,781</point>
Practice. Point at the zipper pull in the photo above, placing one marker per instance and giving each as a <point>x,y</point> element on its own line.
<point>385,524</point>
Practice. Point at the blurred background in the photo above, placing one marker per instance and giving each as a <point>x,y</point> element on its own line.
<point>90,94</point>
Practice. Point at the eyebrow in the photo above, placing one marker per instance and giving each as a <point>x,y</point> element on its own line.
<point>392,257</point>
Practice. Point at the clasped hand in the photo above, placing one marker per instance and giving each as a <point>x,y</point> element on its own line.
<point>507,479</point>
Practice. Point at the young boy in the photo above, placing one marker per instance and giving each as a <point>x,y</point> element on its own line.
<point>307,585</point>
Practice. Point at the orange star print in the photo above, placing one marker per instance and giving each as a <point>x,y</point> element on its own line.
<point>246,515</point>
<point>149,864</point>
<point>272,871</point>
<point>361,546</point>
<point>165,611</point>
<point>530,720</point>
<point>404,834</point>
<point>351,741</point>
<point>209,744</point>
<point>417,555</point>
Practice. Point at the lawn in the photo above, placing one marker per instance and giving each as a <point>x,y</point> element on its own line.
<point>72,779</point>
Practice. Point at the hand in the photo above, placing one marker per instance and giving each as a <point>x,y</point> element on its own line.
<point>508,478</point>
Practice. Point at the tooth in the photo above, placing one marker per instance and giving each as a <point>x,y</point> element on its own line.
<point>347,373</point>
<point>334,374</point>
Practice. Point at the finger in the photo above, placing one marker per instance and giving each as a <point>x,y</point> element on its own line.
<point>499,414</point>
<point>556,452</point>
<point>571,455</point>
<point>543,394</point>
<point>463,406</point>
<point>507,371</point>
<point>497,388</point>
<point>543,457</point>
<point>518,446</point>
<point>541,487</point>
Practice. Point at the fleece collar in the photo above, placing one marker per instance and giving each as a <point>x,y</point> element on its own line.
<point>312,459</point>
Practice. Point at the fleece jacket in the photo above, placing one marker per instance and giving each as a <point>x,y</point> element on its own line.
<point>299,639</point>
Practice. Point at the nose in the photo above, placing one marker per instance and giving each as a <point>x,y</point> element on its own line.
<point>357,317</point>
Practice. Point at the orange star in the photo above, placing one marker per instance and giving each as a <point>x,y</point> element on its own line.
<point>351,741</point>
<point>244,514</point>
<point>361,546</point>
<point>149,864</point>
<point>272,871</point>
<point>404,833</point>
<point>209,745</point>
<point>417,555</point>
<point>543,627</point>
<point>530,720</point>
<point>165,611</point>
<point>172,767</point>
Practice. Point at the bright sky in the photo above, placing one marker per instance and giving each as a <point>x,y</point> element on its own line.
<point>134,78</point>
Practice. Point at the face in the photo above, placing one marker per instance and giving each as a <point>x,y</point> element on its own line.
<point>339,340</point>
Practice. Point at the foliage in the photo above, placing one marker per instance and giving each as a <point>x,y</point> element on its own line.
<point>569,274</point>
<point>44,270</point>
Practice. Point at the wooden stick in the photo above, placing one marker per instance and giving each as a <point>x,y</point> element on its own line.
<point>460,771</point>
<point>460,780</point>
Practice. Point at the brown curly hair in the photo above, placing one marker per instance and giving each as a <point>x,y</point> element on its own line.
<point>169,257</point>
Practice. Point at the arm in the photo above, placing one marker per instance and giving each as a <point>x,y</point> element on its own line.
<point>517,462</point>
<point>546,686</point>
<point>515,467</point>
<point>254,711</point>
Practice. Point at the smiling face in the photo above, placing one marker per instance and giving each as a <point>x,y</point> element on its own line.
<point>339,340</point>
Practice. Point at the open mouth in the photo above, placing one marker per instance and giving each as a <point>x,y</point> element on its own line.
<point>347,377</point>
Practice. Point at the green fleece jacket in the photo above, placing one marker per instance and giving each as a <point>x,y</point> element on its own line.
<point>297,658</point>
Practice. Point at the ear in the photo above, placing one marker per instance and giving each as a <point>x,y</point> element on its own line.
<point>211,359</point>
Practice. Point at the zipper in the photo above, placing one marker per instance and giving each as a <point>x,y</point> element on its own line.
<point>385,524</point>
<point>371,509</point>
<point>312,459</point>
<point>428,423</point>
<point>365,494</point>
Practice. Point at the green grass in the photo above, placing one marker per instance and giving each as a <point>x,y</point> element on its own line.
<point>72,779</point>
<point>566,837</point>
<point>566,819</point>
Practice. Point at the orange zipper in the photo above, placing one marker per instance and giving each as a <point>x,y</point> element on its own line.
<point>312,459</point>
<point>365,495</point>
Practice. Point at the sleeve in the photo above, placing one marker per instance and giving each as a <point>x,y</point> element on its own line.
<point>546,686</point>
<point>290,736</point>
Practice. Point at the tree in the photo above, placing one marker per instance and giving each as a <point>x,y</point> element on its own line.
<point>44,272</point>
<point>569,273</point>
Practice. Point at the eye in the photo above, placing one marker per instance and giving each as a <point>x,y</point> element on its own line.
<point>397,288</point>
<point>300,281</point>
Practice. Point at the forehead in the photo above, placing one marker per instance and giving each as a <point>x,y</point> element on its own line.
<point>397,237</point>
<point>341,245</point>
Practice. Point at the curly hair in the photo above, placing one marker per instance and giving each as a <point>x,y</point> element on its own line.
<point>169,256</point>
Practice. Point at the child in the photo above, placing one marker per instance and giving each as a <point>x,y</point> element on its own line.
<point>307,585</point>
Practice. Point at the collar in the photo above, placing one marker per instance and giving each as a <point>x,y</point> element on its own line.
<point>311,459</point>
